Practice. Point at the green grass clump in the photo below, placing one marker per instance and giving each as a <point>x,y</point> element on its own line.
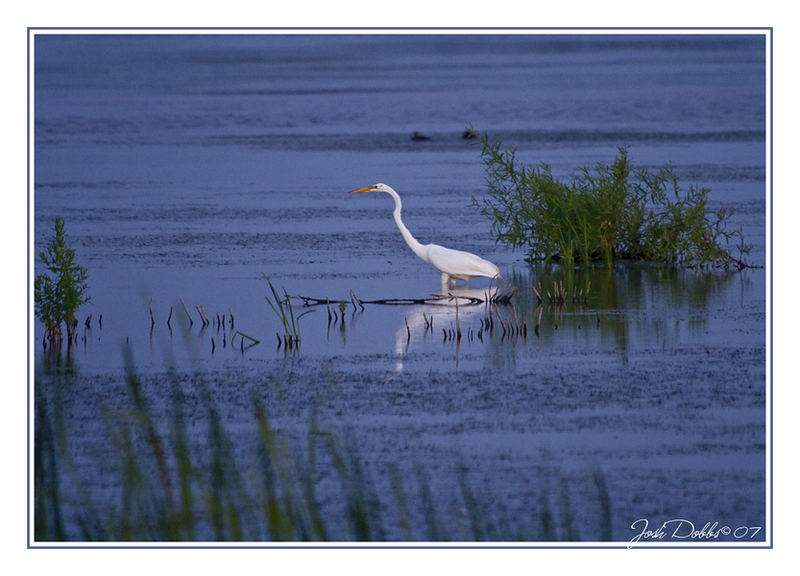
<point>605,213</point>
<point>282,307</point>
<point>59,292</point>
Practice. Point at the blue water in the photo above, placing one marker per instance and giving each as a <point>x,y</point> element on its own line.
<point>191,166</point>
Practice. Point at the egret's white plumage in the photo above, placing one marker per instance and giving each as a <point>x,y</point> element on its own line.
<point>452,264</point>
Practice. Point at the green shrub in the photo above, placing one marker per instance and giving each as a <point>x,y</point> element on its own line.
<point>60,291</point>
<point>604,213</point>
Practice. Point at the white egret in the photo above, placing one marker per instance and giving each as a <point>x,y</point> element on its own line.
<point>453,264</point>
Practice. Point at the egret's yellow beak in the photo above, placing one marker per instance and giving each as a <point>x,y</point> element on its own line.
<point>367,189</point>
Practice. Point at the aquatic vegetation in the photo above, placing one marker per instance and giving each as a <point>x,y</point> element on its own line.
<point>282,307</point>
<point>605,213</point>
<point>59,292</point>
<point>560,295</point>
<point>182,477</point>
<point>223,325</point>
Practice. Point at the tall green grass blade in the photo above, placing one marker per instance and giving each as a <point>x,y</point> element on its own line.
<point>185,528</point>
<point>404,518</point>
<point>435,531</point>
<point>48,523</point>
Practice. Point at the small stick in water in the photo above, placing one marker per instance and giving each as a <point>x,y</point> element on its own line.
<point>203,317</point>
<point>243,335</point>
<point>458,322</point>
<point>356,301</point>
<point>185,309</point>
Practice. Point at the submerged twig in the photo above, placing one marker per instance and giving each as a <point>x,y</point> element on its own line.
<point>458,322</point>
<point>202,313</point>
<point>243,335</point>
<point>538,293</point>
<point>242,338</point>
<point>355,301</point>
<point>433,299</point>
<point>185,309</point>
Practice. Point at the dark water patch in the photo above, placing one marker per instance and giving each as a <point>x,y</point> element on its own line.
<point>621,137</point>
<point>439,141</point>
<point>253,132</point>
<point>84,185</point>
<point>722,173</point>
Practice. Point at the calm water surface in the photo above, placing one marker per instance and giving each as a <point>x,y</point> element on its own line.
<point>189,167</point>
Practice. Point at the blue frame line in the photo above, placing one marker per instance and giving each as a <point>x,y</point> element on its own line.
<point>768,32</point>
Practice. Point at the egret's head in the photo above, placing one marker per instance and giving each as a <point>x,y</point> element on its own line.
<point>379,187</point>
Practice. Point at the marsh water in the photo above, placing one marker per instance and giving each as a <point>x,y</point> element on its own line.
<point>190,168</point>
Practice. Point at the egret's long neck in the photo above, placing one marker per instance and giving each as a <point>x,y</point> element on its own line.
<point>410,240</point>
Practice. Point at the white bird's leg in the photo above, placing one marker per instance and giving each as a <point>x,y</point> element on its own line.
<point>445,281</point>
